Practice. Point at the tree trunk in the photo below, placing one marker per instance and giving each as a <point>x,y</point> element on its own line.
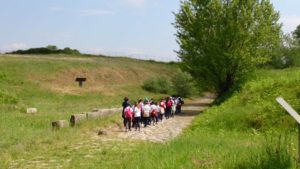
<point>226,85</point>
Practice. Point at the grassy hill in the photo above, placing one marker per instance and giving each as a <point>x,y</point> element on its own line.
<point>47,82</point>
<point>248,130</point>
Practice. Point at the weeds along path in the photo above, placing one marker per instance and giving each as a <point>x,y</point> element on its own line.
<point>165,130</point>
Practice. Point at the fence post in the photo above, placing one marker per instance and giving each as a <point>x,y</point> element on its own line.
<point>295,115</point>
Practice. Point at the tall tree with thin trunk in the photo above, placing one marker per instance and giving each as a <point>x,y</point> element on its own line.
<point>222,40</point>
<point>296,34</point>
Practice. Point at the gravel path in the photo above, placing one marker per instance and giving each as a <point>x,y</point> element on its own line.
<point>167,129</point>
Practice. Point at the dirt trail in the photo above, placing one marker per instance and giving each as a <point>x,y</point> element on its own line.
<point>165,130</point>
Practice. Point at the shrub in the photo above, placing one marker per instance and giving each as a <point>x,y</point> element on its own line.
<point>158,85</point>
<point>183,84</point>
<point>285,57</point>
<point>47,50</point>
<point>282,62</point>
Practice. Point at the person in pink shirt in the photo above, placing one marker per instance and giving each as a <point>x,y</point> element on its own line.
<point>128,117</point>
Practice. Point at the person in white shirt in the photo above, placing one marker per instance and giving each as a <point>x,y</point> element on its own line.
<point>137,116</point>
<point>173,109</point>
<point>140,102</point>
<point>146,114</point>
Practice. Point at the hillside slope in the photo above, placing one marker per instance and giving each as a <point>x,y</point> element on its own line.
<point>32,78</point>
<point>47,82</point>
<point>248,130</point>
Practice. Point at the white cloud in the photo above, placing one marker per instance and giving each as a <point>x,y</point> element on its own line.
<point>97,12</point>
<point>290,22</point>
<point>13,46</point>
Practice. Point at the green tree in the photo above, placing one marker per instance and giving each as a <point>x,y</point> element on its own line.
<point>221,40</point>
<point>296,34</point>
<point>52,47</point>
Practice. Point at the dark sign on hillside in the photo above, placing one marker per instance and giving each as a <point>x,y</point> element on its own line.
<point>80,80</point>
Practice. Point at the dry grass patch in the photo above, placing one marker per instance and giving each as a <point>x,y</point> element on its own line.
<point>104,80</point>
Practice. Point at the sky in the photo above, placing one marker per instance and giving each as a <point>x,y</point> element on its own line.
<point>135,28</point>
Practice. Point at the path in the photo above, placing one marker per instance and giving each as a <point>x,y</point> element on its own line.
<point>165,130</point>
<point>91,147</point>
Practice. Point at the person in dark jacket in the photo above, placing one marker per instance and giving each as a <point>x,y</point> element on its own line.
<point>168,107</point>
<point>180,102</point>
<point>124,105</point>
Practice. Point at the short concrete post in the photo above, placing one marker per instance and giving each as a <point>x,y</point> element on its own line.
<point>56,125</point>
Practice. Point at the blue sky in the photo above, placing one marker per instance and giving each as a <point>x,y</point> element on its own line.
<point>137,28</point>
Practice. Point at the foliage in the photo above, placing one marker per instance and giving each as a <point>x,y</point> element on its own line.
<point>253,106</point>
<point>220,41</point>
<point>158,84</point>
<point>296,34</point>
<point>288,54</point>
<point>50,49</point>
<point>183,84</point>
<point>283,58</point>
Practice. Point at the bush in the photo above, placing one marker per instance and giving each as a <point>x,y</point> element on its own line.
<point>285,57</point>
<point>47,50</point>
<point>158,85</point>
<point>183,84</point>
<point>281,62</point>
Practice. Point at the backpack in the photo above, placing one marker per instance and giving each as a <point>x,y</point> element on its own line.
<point>128,113</point>
<point>169,103</point>
<point>153,112</point>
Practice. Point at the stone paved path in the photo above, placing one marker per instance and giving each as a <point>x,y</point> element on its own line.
<point>167,129</point>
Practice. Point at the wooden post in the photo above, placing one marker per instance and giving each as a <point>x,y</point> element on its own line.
<point>80,80</point>
<point>295,115</point>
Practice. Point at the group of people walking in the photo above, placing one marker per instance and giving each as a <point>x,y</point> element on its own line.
<point>146,112</point>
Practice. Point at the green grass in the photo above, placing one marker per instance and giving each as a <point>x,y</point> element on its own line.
<point>254,105</point>
<point>26,81</point>
<point>248,130</point>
